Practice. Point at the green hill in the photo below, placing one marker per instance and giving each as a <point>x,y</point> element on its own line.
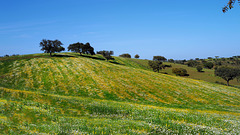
<point>87,95</point>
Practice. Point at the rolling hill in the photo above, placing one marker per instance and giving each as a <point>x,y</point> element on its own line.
<point>72,94</point>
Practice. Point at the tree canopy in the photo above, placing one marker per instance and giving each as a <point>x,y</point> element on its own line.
<point>81,48</point>
<point>51,46</point>
<point>136,56</point>
<point>159,58</point>
<point>106,54</point>
<point>125,55</point>
<point>156,65</point>
<point>229,5</point>
<point>227,73</point>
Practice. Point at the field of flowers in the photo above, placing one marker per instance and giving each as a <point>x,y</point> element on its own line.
<point>79,95</point>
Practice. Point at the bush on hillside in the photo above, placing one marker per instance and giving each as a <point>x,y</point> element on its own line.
<point>125,55</point>
<point>180,71</point>
<point>208,65</point>
<point>199,68</point>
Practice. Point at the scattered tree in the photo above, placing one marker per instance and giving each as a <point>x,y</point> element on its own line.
<point>227,73</point>
<point>136,56</point>
<point>199,68</point>
<point>88,49</point>
<point>125,55</point>
<point>192,63</point>
<point>159,58</point>
<point>208,65</point>
<point>81,48</point>
<point>76,47</point>
<point>171,60</point>
<point>51,46</point>
<point>179,71</point>
<point>106,54</point>
<point>156,65</point>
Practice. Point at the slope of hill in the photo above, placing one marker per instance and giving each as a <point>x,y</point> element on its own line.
<point>79,95</point>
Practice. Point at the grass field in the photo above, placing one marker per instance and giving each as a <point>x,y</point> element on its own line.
<point>87,95</point>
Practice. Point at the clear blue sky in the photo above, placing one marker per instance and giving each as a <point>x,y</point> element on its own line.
<point>178,29</point>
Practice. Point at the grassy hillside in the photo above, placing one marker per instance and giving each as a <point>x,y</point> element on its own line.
<point>86,95</point>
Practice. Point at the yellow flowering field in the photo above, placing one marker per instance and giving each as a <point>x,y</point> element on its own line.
<point>82,95</point>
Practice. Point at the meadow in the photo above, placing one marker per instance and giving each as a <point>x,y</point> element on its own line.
<point>87,95</point>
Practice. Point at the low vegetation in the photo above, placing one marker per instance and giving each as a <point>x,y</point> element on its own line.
<point>77,94</point>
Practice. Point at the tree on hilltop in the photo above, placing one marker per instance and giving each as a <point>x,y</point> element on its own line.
<point>125,55</point>
<point>106,54</point>
<point>136,56</point>
<point>76,47</point>
<point>159,58</point>
<point>88,49</point>
<point>51,46</point>
<point>81,48</point>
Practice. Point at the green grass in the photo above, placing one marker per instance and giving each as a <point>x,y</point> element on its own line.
<point>206,75</point>
<point>88,95</point>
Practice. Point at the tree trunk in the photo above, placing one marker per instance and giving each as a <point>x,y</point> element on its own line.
<point>50,54</point>
<point>227,82</point>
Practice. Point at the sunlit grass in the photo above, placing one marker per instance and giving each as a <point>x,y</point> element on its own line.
<point>78,95</point>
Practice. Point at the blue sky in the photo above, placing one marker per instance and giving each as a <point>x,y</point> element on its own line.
<point>175,29</point>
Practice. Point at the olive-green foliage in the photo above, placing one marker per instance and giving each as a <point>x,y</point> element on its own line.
<point>199,68</point>
<point>106,54</point>
<point>156,65</point>
<point>192,63</point>
<point>125,55</point>
<point>51,46</point>
<point>179,71</point>
<point>208,65</point>
<point>136,56</point>
<point>159,58</point>
<point>227,73</point>
<point>81,48</point>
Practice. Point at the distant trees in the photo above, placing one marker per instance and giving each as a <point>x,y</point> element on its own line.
<point>106,54</point>
<point>125,55</point>
<point>51,46</point>
<point>171,60</point>
<point>192,63</point>
<point>159,58</point>
<point>180,71</point>
<point>136,56</point>
<point>81,48</point>
<point>227,73</point>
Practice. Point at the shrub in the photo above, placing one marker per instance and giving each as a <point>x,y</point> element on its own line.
<point>136,56</point>
<point>125,55</point>
<point>179,71</point>
<point>199,68</point>
<point>208,65</point>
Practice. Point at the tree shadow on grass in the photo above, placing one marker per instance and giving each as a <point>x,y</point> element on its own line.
<point>55,55</point>
<point>96,58</point>
<point>114,62</point>
<point>201,71</point>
